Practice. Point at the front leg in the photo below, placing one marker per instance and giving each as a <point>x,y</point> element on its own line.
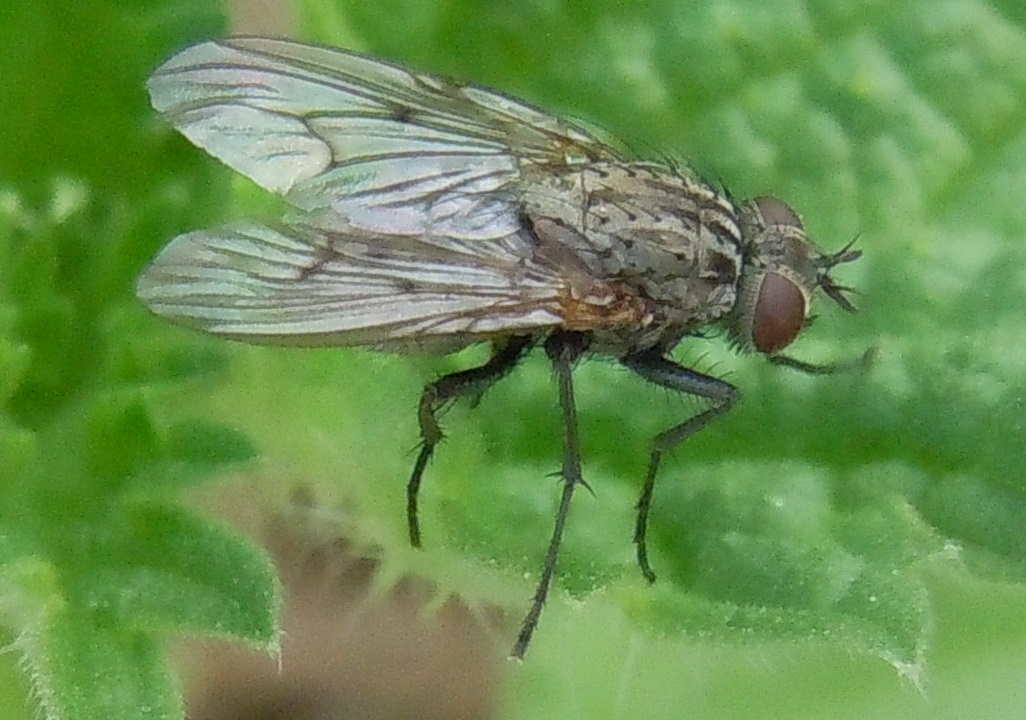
<point>671,375</point>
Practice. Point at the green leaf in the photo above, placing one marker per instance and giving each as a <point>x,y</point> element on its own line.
<point>207,445</point>
<point>83,669</point>
<point>119,438</point>
<point>80,663</point>
<point>819,514</point>
<point>819,509</point>
<point>161,570</point>
<point>763,545</point>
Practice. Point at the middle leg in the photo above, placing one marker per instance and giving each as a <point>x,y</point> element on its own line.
<point>563,349</point>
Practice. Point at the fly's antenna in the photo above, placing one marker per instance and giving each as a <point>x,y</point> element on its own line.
<point>826,263</point>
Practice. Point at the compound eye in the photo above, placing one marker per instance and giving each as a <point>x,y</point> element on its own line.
<point>775,212</point>
<point>779,314</point>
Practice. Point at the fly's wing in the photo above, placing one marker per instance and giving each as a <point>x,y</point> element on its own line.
<point>303,286</point>
<point>343,136</point>
<point>409,188</point>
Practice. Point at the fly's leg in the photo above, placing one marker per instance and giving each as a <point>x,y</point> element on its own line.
<point>671,375</point>
<point>563,349</point>
<point>860,363</point>
<point>473,383</point>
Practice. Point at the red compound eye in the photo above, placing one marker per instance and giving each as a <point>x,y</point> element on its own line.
<point>775,212</point>
<point>779,314</point>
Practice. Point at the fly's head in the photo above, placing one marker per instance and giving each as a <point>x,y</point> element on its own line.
<point>781,271</point>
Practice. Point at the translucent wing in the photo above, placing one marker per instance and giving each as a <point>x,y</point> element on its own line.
<point>303,286</point>
<point>386,149</point>
<point>409,188</point>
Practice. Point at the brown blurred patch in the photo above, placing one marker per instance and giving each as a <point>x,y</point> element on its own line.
<point>348,651</point>
<point>262,17</point>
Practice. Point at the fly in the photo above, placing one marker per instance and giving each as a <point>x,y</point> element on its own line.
<point>431,215</point>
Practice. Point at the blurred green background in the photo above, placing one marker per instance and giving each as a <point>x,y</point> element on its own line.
<point>828,531</point>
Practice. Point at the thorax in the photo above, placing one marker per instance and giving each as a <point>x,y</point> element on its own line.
<point>667,237</point>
